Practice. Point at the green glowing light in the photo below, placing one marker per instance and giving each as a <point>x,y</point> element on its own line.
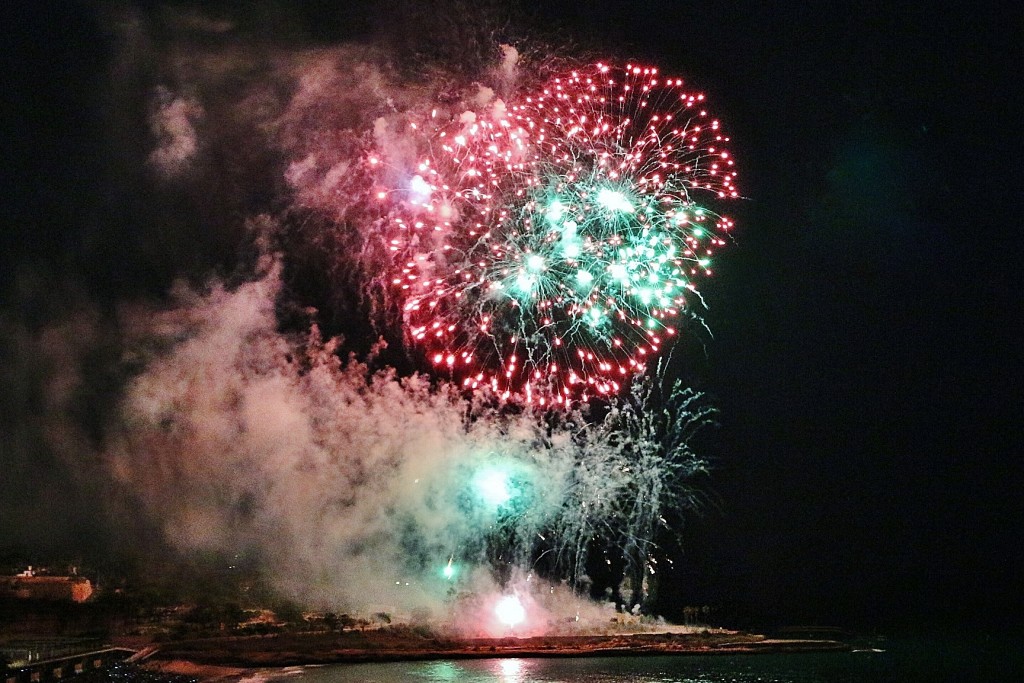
<point>535,262</point>
<point>584,277</point>
<point>614,201</point>
<point>493,486</point>
<point>555,211</point>
<point>525,282</point>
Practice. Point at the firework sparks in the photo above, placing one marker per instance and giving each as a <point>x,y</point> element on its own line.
<point>547,249</point>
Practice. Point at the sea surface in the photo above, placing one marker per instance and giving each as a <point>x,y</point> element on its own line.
<point>975,658</point>
<point>965,657</point>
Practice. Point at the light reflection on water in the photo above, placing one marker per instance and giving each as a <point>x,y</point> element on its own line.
<point>830,668</point>
<point>512,670</point>
<point>501,670</point>
<point>497,670</point>
<point>965,657</point>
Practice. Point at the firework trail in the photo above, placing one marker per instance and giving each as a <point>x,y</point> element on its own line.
<point>547,248</point>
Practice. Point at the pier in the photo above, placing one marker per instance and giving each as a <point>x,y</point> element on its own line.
<point>36,669</point>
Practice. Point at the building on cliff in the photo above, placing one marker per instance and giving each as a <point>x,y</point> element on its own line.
<point>29,586</point>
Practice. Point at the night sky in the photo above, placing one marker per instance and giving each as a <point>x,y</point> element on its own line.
<point>866,322</point>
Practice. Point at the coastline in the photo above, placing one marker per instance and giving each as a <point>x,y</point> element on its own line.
<point>223,659</point>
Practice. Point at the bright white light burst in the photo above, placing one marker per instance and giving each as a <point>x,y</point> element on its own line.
<point>510,611</point>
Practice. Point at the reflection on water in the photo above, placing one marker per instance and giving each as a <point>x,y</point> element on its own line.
<point>692,669</point>
<point>497,670</point>
<point>512,670</point>
<point>977,658</point>
<point>441,671</point>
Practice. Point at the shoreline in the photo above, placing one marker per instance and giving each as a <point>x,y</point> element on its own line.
<point>223,659</point>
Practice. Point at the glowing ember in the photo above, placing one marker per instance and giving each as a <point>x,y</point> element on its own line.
<point>449,570</point>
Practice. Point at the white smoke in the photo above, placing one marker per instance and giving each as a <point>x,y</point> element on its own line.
<point>355,489</point>
<point>509,62</point>
<point>352,488</point>
<point>173,124</point>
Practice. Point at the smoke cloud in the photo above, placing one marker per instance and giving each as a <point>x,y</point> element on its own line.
<point>173,125</point>
<point>222,411</point>
<point>343,482</point>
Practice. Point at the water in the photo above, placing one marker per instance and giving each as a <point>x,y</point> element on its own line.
<point>714,669</point>
<point>973,659</point>
<point>962,658</point>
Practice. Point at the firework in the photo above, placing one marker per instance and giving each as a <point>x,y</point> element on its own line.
<point>510,611</point>
<point>548,248</point>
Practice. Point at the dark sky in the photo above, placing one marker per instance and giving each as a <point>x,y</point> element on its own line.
<point>866,322</point>
<point>863,354</point>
